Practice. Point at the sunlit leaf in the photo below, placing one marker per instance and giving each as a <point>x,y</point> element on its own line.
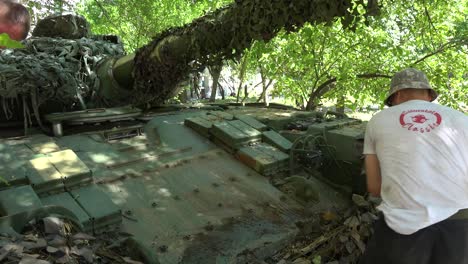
<point>6,41</point>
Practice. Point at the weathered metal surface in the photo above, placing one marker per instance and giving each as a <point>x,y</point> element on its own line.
<point>332,143</point>
<point>350,139</point>
<point>65,200</point>
<point>221,115</point>
<point>14,223</point>
<point>275,118</point>
<point>275,139</point>
<point>95,115</point>
<point>264,158</point>
<point>44,177</point>
<point>181,196</point>
<point>73,171</point>
<point>245,128</point>
<point>252,122</point>
<point>13,157</point>
<point>174,202</point>
<point>102,212</point>
<point>341,142</point>
<point>18,199</point>
<point>55,171</point>
<point>200,125</point>
<point>43,146</point>
<point>233,135</point>
<point>169,203</point>
<point>319,128</point>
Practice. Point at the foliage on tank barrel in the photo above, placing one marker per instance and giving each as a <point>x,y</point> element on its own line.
<point>51,69</point>
<point>224,34</point>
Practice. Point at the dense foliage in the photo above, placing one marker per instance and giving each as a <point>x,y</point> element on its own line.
<point>136,22</point>
<point>321,62</point>
<point>327,62</point>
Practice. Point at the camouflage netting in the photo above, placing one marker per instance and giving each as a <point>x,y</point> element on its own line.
<point>66,26</point>
<point>224,34</point>
<point>50,69</point>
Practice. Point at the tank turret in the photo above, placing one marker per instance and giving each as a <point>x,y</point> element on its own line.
<point>57,70</point>
<point>64,68</point>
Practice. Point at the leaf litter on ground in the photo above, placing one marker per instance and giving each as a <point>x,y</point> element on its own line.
<point>340,238</point>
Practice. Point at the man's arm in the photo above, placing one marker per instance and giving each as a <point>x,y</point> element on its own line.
<point>374,179</point>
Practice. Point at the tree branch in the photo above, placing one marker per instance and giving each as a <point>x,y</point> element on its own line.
<point>373,75</point>
<point>429,17</point>
<point>327,85</point>
<point>442,48</point>
<point>322,89</point>
<point>109,20</point>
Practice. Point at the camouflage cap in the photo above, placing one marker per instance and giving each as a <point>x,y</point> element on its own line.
<point>409,78</point>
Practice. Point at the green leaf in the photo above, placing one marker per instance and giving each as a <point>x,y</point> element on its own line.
<point>6,41</point>
<point>317,260</point>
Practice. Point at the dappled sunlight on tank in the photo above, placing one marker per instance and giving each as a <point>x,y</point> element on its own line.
<point>284,114</point>
<point>216,175</point>
<point>100,157</point>
<point>161,209</point>
<point>175,188</point>
<point>41,166</point>
<point>25,201</point>
<point>117,192</point>
<point>164,192</point>
<point>235,191</point>
<point>18,199</point>
<point>4,155</point>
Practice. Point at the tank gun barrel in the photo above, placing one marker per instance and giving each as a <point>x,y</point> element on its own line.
<point>167,60</point>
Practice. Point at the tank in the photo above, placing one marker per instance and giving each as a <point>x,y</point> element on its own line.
<point>91,156</point>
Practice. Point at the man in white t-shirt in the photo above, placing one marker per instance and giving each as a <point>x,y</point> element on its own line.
<point>417,161</point>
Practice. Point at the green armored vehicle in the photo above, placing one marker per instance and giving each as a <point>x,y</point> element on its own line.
<point>85,137</point>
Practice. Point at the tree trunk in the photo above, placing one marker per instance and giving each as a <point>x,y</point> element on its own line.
<point>262,76</point>
<point>265,86</point>
<point>243,68</point>
<point>196,84</point>
<point>319,92</point>
<point>215,72</point>
<point>183,96</point>
<point>246,93</point>
<point>340,105</point>
<point>222,91</point>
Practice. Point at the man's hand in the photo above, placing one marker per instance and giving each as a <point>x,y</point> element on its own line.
<point>374,179</point>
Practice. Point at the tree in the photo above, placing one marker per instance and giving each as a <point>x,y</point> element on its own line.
<point>42,8</point>
<point>329,62</point>
<point>339,49</point>
<point>136,22</point>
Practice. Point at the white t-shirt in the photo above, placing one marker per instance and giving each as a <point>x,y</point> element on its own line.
<point>422,148</point>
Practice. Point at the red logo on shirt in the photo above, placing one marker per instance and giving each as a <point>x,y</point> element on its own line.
<point>420,120</point>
